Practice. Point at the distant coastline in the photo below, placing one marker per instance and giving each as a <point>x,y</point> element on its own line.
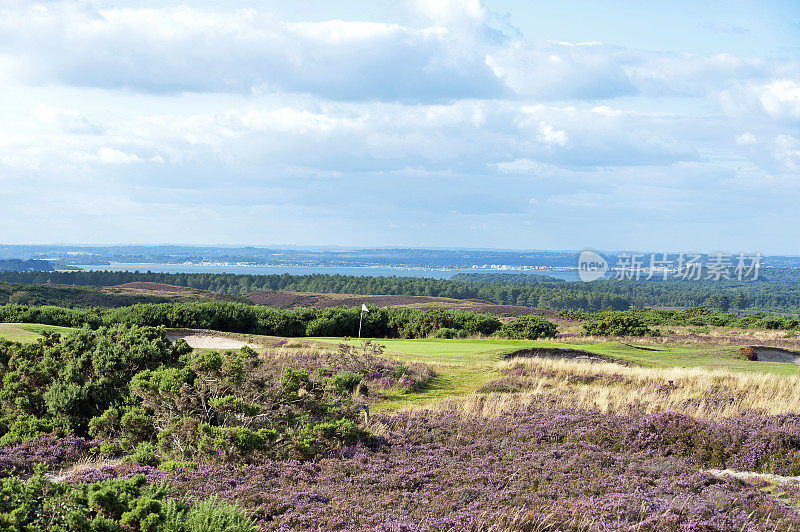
<point>568,274</point>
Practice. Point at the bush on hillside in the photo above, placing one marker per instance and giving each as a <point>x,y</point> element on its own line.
<point>617,325</point>
<point>530,327</point>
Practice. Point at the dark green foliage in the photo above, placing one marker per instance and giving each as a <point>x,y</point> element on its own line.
<point>695,316</point>
<point>116,505</point>
<point>617,324</point>
<point>449,333</point>
<point>528,327</point>
<point>242,318</point>
<point>211,515</point>
<point>132,388</point>
<point>346,381</point>
<point>64,383</point>
<point>776,290</point>
<point>145,454</point>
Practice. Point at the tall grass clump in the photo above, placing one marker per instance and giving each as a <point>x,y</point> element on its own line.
<point>614,388</point>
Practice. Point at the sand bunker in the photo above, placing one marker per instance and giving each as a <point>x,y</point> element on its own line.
<point>774,354</point>
<point>210,341</point>
<point>560,353</point>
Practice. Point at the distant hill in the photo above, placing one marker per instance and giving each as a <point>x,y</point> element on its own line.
<point>167,292</point>
<point>151,292</point>
<point>104,297</point>
<point>30,265</point>
<point>288,299</point>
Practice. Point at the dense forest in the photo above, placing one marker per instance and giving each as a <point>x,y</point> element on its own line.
<point>777,290</point>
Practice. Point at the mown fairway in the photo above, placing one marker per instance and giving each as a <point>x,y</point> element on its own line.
<point>463,366</point>
<point>28,332</point>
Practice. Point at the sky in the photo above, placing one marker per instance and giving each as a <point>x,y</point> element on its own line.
<point>517,124</point>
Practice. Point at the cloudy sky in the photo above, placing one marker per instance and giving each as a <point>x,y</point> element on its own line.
<point>503,123</point>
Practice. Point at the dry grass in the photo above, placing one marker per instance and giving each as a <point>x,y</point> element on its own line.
<point>81,465</point>
<point>621,389</point>
<point>689,336</point>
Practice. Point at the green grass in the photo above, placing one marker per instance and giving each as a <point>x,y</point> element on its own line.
<point>463,366</point>
<point>439,351</point>
<point>28,332</point>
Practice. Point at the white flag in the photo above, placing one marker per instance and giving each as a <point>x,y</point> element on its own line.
<point>364,308</point>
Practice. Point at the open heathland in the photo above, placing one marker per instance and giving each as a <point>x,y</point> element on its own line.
<point>119,423</point>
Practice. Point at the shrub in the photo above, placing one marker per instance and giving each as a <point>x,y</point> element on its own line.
<point>346,381</point>
<point>211,515</point>
<point>528,327</point>
<point>449,333</point>
<point>145,454</point>
<point>617,325</point>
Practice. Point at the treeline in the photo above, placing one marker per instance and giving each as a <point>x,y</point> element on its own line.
<point>251,319</point>
<point>697,316</point>
<point>776,291</point>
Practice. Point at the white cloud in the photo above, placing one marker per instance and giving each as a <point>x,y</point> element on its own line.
<point>777,99</point>
<point>787,152</point>
<point>746,139</point>
<point>550,135</point>
<point>455,54</point>
<point>450,12</point>
<point>239,108</point>
<point>522,166</point>
<point>67,120</point>
<point>106,155</point>
<point>188,49</point>
<point>780,99</point>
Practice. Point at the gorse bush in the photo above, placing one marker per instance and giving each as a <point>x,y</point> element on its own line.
<point>617,325</point>
<point>449,333</point>
<point>243,318</point>
<point>528,327</point>
<point>211,515</point>
<point>116,505</point>
<point>346,381</point>
<point>130,387</point>
<point>64,383</point>
<point>696,316</point>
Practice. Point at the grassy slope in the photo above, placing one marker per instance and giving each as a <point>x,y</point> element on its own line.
<point>28,332</point>
<point>463,366</point>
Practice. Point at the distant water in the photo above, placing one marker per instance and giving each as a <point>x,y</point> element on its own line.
<point>362,271</point>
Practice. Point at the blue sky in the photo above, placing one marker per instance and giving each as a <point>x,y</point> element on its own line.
<point>655,126</point>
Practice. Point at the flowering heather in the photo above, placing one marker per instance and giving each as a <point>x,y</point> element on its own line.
<point>47,449</point>
<point>376,371</point>
<point>538,469</point>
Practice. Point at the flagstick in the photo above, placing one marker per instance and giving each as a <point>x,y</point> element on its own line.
<point>359,324</point>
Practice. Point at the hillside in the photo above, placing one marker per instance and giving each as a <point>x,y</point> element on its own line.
<point>777,290</point>
<point>166,292</point>
<point>289,299</point>
<point>151,292</point>
<point>103,296</point>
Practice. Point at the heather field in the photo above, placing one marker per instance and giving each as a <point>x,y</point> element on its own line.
<point>125,428</point>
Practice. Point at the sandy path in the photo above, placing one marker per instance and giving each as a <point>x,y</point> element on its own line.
<point>748,475</point>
